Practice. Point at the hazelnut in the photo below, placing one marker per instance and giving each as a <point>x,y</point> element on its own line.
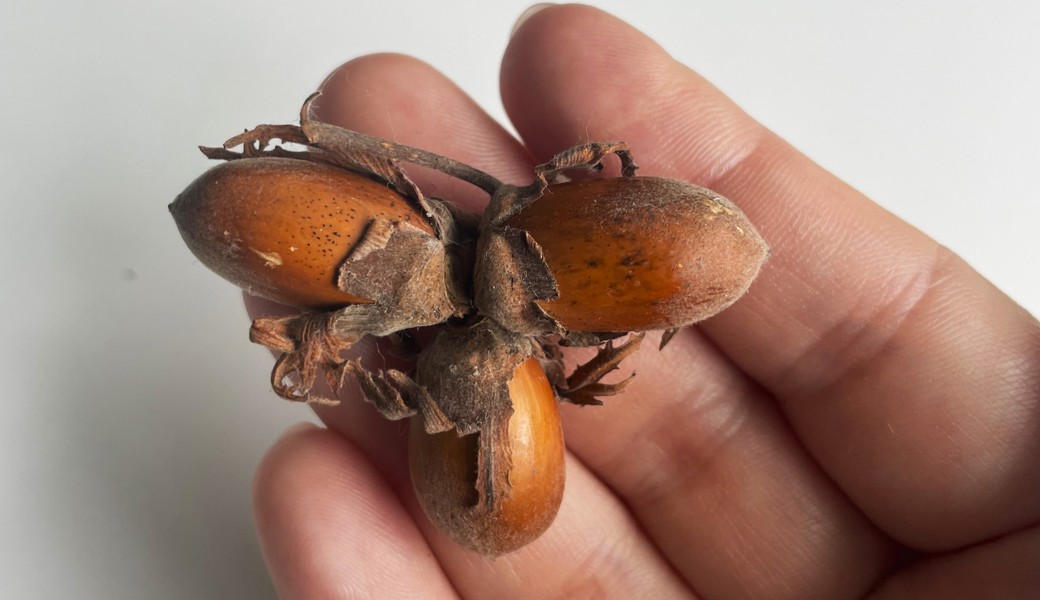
<point>453,478</point>
<point>616,255</point>
<point>280,228</point>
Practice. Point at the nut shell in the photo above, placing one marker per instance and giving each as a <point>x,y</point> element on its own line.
<point>640,253</point>
<point>280,228</point>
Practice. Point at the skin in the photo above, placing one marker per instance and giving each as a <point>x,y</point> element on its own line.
<point>863,423</point>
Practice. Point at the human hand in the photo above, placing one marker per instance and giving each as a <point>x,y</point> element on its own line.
<point>865,419</point>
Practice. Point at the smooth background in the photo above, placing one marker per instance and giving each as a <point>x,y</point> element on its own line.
<point>134,410</point>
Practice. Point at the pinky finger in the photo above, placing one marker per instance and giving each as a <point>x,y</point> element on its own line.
<point>330,525</point>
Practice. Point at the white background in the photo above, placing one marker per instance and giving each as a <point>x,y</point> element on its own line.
<point>134,410</point>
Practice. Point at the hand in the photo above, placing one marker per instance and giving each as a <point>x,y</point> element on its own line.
<point>865,419</point>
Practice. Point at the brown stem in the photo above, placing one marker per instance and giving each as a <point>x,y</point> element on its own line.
<point>373,146</point>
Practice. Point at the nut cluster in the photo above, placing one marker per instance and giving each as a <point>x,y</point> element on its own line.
<point>324,219</point>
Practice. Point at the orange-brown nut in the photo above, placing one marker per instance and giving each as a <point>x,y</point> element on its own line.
<point>280,228</point>
<point>638,253</point>
<point>446,468</point>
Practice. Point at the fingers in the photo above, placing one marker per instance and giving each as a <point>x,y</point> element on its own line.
<point>700,453</point>
<point>594,549</point>
<point>329,522</point>
<point>705,461</point>
<point>331,526</point>
<point>913,382</point>
<point>1005,568</point>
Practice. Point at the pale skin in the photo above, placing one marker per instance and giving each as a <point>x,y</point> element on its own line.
<point>866,422</point>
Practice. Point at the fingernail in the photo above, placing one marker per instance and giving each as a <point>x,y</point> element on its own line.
<point>527,15</point>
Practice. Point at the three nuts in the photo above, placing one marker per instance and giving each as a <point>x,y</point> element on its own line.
<point>328,222</point>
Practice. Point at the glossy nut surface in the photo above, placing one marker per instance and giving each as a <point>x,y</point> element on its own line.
<point>279,228</point>
<point>444,472</point>
<point>641,253</point>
